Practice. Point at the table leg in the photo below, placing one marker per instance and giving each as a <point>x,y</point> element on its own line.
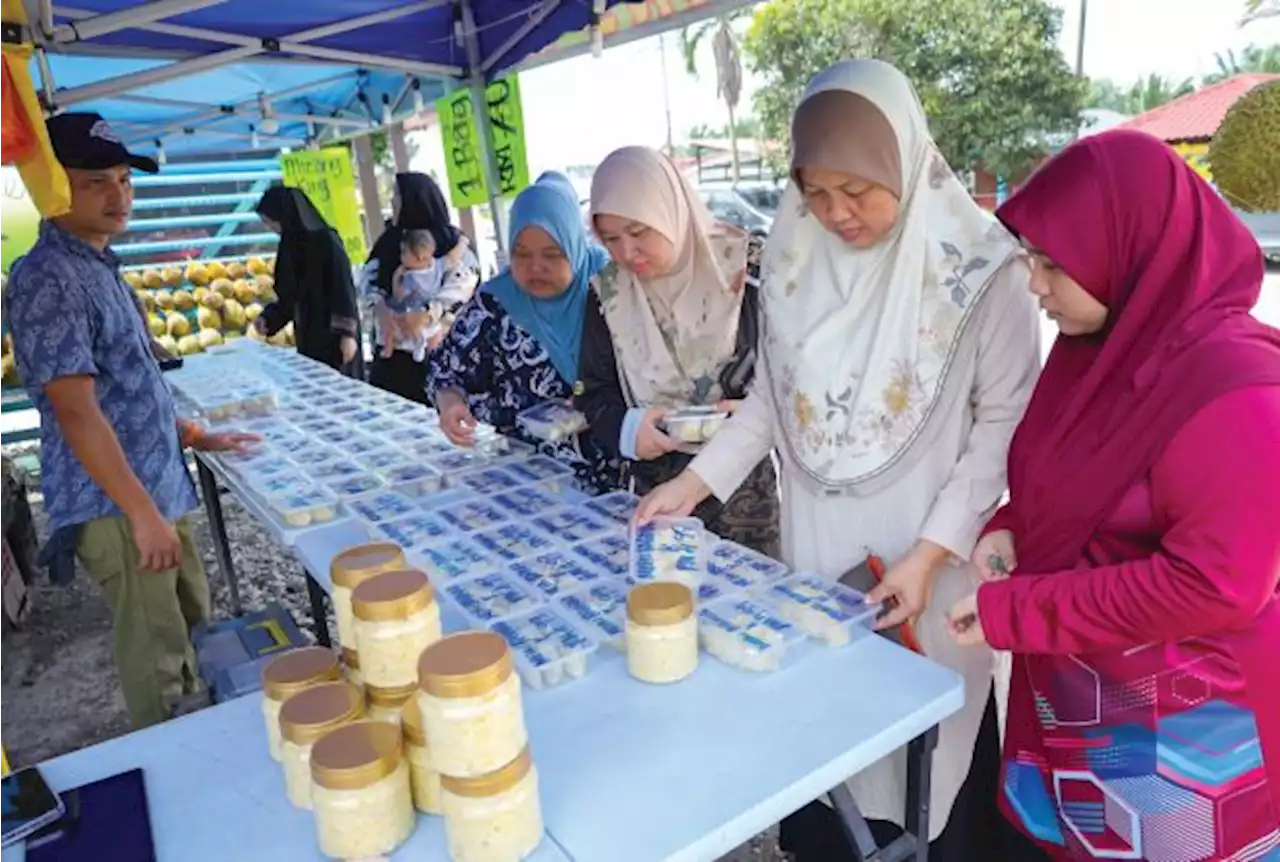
<point>913,844</point>
<point>218,527</point>
<point>319,612</point>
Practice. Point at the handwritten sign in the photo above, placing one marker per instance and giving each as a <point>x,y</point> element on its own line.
<point>327,178</point>
<point>464,163</point>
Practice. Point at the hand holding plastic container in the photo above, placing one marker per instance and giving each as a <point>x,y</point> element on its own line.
<point>552,421</point>
<point>693,425</point>
<point>669,549</point>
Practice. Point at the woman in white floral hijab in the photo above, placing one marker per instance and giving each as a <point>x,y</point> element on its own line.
<point>899,349</point>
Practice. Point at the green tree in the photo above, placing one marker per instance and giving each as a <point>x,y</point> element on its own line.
<point>1254,58</point>
<point>1256,10</point>
<point>1142,95</point>
<point>989,72</point>
<point>728,58</point>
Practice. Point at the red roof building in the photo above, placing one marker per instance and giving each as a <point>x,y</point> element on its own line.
<point>1196,116</point>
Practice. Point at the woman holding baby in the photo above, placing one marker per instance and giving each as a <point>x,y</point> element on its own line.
<point>516,343</point>
<point>420,271</point>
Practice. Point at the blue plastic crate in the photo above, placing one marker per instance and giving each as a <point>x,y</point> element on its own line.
<point>230,654</point>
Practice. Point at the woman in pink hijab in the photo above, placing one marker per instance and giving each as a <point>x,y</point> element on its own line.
<point>1143,527</point>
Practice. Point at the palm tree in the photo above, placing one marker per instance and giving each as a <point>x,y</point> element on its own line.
<point>1156,90</point>
<point>1256,10</point>
<point>728,56</point>
<point>1254,58</point>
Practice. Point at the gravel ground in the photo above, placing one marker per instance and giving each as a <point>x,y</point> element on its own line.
<point>60,690</point>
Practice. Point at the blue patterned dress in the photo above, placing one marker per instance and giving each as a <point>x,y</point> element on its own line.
<point>503,370</point>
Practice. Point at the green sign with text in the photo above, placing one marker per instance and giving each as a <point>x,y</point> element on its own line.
<point>460,132</point>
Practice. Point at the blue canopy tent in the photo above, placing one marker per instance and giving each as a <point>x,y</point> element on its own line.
<point>190,76</point>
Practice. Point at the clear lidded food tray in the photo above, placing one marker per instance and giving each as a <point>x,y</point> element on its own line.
<point>475,514</point>
<point>669,549</point>
<point>488,598</point>
<point>525,501</point>
<point>601,609</point>
<point>380,425</point>
<point>694,425</point>
<point>338,469</point>
<point>548,647</point>
<point>457,460</point>
<point>543,471</point>
<point>283,483</point>
<point>487,480</point>
<point>551,421</point>
<point>402,408</point>
<point>514,540</point>
<point>429,446</point>
<point>365,417</point>
<point>748,633</point>
<point>380,458</point>
<point>556,572</point>
<point>742,568</point>
<point>318,426</point>
<point>504,449</point>
<point>825,610</point>
<point>414,532</point>
<point>403,435</point>
<point>572,524</point>
<point>457,557</point>
<point>611,553</point>
<point>618,505</point>
<point>413,477</point>
<point>363,444</point>
<point>354,486</point>
<point>305,507</point>
<point>277,431</point>
<point>382,506</point>
<point>315,455</point>
<point>340,436</point>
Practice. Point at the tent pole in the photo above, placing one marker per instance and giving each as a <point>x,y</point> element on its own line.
<point>110,22</point>
<point>367,173</point>
<point>399,148</point>
<point>480,107</point>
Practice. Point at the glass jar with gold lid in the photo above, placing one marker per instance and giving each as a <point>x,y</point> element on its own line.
<point>386,704</point>
<point>662,632</point>
<point>395,617</point>
<point>423,777</point>
<point>494,817</point>
<point>351,667</point>
<point>286,675</point>
<point>470,704</point>
<point>304,719</point>
<point>352,567</point>
<point>360,785</point>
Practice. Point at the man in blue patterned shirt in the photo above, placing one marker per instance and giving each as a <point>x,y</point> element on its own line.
<point>114,475</point>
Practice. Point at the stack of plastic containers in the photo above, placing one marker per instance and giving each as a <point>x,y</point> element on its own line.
<point>473,719</point>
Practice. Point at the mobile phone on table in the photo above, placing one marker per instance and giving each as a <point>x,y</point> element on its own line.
<point>105,821</point>
<point>29,805</point>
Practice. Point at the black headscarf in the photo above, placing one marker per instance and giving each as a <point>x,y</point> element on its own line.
<point>312,280</point>
<point>422,207</point>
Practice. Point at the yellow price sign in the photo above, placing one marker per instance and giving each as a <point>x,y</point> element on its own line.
<point>327,178</point>
<point>464,165</point>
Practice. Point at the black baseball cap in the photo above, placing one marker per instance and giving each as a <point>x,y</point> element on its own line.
<point>84,140</point>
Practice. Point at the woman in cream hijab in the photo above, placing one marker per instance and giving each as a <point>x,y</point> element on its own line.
<point>899,349</point>
<point>675,326</point>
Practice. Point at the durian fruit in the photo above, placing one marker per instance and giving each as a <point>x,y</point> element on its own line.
<point>172,276</point>
<point>213,299</point>
<point>256,266</point>
<point>225,287</point>
<point>189,344</point>
<point>1244,155</point>
<point>199,294</point>
<point>209,337</point>
<point>215,270</point>
<point>236,269</point>
<point>151,278</point>
<point>144,296</point>
<point>251,312</point>
<point>177,324</point>
<point>157,325</point>
<point>164,300</point>
<point>166,341</point>
<point>197,273</point>
<point>9,370</point>
<point>133,279</point>
<point>284,337</point>
<point>233,316</point>
<point>207,318</point>
<point>271,266</point>
<point>246,291</point>
<point>183,300</point>
<point>255,335</point>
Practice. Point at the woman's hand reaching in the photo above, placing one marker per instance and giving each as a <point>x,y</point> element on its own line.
<point>994,555</point>
<point>675,499</point>
<point>652,443</point>
<point>456,420</point>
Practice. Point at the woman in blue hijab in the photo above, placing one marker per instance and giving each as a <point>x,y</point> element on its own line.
<point>516,343</point>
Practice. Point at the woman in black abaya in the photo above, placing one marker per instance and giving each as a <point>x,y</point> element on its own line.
<point>313,283</point>
<point>418,204</point>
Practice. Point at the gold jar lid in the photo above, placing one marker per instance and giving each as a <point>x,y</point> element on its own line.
<point>351,658</point>
<point>390,698</point>
<point>361,562</point>
<point>662,604</point>
<point>411,723</point>
<point>310,714</point>
<point>395,595</point>
<point>500,780</point>
<point>468,664</point>
<point>356,755</point>
<point>292,671</point>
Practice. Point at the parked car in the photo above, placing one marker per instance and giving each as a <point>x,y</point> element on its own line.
<point>729,206</point>
<point>1266,229</point>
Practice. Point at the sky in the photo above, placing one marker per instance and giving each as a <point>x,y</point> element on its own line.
<point>578,110</point>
